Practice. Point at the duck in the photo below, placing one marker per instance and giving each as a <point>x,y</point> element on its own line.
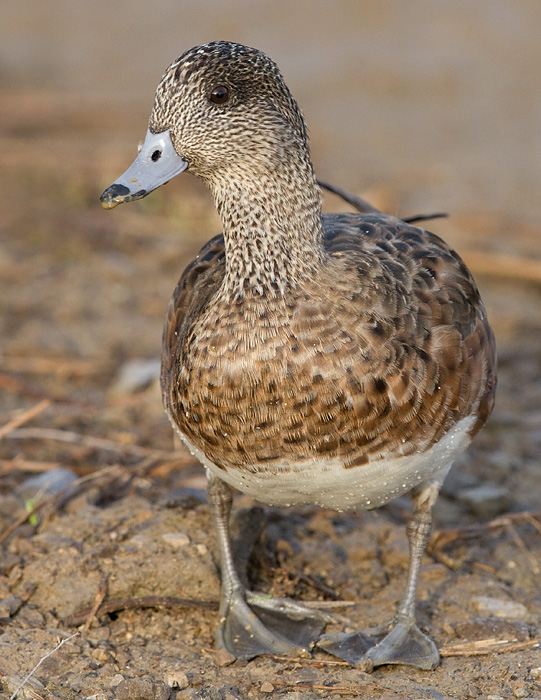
<point>340,359</point>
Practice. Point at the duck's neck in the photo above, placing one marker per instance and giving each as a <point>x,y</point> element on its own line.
<point>272,228</point>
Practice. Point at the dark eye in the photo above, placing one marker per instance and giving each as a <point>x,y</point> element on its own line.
<point>156,156</point>
<point>219,95</point>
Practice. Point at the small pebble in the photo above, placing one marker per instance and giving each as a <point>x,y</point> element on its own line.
<point>520,693</point>
<point>48,483</point>
<point>176,539</point>
<point>487,627</point>
<point>536,673</point>
<point>8,560</point>
<point>267,687</point>
<point>224,658</point>
<point>177,680</point>
<point>9,606</point>
<point>142,689</point>
<point>487,500</point>
<point>116,679</point>
<point>506,609</point>
<point>100,655</point>
<point>135,375</point>
<point>212,693</point>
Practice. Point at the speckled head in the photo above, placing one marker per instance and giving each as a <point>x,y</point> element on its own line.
<point>217,99</point>
<point>218,107</point>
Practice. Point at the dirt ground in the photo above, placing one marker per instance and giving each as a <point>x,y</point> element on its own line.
<point>123,556</point>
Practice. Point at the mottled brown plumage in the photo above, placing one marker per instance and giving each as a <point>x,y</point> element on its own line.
<point>380,358</point>
<point>338,359</point>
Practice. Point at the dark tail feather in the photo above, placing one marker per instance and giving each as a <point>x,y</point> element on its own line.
<point>364,207</point>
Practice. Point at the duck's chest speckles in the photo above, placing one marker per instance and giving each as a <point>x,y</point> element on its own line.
<point>255,382</point>
<point>294,381</point>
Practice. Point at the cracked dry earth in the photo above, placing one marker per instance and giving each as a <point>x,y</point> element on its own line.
<point>118,566</point>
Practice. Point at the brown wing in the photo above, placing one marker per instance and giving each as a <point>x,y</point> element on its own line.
<point>437,361</point>
<point>197,284</point>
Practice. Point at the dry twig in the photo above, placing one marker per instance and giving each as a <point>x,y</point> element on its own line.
<point>149,601</point>
<point>25,465</point>
<point>16,386</point>
<point>90,441</point>
<point>356,202</point>
<point>520,544</point>
<point>100,596</point>
<point>61,366</point>
<point>357,690</point>
<point>24,417</point>
<point>29,676</point>
<point>443,537</point>
<point>488,646</point>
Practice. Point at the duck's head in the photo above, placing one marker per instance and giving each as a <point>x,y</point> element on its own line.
<point>222,110</point>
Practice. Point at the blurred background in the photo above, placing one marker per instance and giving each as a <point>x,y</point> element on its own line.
<point>439,102</point>
<point>418,106</point>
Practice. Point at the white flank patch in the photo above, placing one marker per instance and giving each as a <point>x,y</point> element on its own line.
<point>329,484</point>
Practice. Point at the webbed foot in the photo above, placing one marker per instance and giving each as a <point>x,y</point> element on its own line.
<point>404,644</point>
<point>255,624</point>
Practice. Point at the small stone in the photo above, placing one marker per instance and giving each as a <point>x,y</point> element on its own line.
<point>116,680</point>
<point>72,648</point>
<point>8,560</point>
<point>49,483</point>
<point>506,609</point>
<point>520,692</point>
<point>177,680</point>
<point>100,655</point>
<point>495,697</point>
<point>142,689</point>
<point>487,500</point>
<point>211,692</point>
<point>9,606</point>
<point>493,627</point>
<point>536,673</point>
<point>176,540</point>
<point>224,658</point>
<point>267,687</point>
<point>134,376</point>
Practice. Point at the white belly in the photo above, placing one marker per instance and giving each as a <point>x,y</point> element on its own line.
<point>327,483</point>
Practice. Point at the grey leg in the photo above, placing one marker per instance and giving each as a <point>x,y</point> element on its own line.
<point>404,643</point>
<point>250,624</point>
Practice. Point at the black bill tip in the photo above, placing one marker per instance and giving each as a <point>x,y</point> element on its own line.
<point>117,194</point>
